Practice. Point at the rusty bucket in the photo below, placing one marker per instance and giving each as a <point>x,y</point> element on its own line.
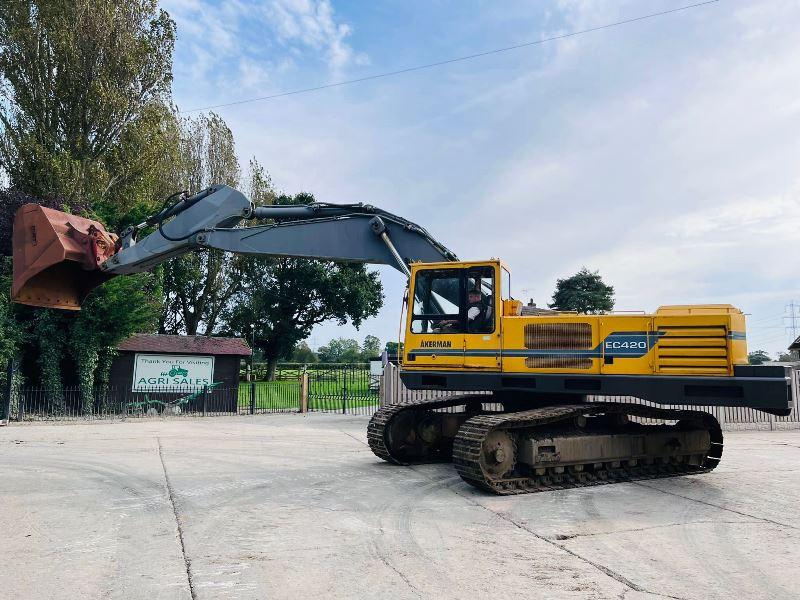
<point>57,257</point>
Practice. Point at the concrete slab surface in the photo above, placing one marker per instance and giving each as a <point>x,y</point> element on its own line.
<point>292,506</point>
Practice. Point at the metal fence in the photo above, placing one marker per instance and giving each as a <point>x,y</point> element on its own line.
<point>341,388</point>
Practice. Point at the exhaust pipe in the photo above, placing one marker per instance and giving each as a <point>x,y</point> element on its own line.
<point>57,257</point>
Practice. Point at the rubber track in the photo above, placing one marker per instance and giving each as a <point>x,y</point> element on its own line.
<point>468,443</point>
<point>376,430</point>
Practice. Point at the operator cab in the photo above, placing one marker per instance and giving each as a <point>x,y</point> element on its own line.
<point>454,301</point>
<point>453,314</point>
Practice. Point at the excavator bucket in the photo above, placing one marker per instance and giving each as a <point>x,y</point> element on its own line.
<point>57,257</point>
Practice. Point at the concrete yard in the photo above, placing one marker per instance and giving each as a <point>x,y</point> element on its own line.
<point>291,506</point>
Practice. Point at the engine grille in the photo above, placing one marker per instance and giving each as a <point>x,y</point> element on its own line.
<point>558,336</point>
<point>555,361</point>
<point>702,350</point>
<point>566,336</point>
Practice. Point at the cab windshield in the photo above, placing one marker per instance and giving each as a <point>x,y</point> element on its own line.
<point>454,301</point>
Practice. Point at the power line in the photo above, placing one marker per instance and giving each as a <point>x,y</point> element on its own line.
<point>453,60</point>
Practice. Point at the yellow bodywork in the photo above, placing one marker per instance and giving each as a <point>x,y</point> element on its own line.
<point>699,340</point>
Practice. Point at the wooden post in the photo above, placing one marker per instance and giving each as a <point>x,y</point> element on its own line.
<point>304,392</point>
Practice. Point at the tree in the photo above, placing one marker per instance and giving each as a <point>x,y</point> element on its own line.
<point>79,80</point>
<point>85,127</point>
<point>370,348</point>
<point>394,348</point>
<point>584,292</point>
<point>199,285</point>
<point>758,357</point>
<point>340,350</point>
<point>283,299</point>
<point>303,353</point>
<point>786,357</point>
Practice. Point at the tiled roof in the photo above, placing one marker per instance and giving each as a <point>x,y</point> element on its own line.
<point>185,344</point>
<point>795,345</point>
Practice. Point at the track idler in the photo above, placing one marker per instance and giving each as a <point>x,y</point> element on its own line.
<point>420,432</point>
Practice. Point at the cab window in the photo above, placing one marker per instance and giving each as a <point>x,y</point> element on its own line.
<point>505,288</point>
<point>437,301</point>
<point>453,301</point>
<point>479,309</point>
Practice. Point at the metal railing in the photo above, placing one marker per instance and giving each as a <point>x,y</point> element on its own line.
<point>345,388</point>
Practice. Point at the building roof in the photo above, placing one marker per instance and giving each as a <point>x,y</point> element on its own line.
<point>185,344</point>
<point>795,345</point>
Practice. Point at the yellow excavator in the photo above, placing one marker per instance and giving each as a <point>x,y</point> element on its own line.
<point>534,408</point>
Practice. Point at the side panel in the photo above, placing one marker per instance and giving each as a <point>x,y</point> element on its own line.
<point>551,344</point>
<point>439,351</point>
<point>627,344</point>
<point>701,341</point>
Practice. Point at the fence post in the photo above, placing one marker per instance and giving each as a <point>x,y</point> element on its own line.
<point>304,392</point>
<point>205,400</point>
<point>344,392</point>
<point>252,397</point>
<point>21,407</point>
<point>5,413</point>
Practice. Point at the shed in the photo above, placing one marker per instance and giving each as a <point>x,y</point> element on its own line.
<point>174,365</point>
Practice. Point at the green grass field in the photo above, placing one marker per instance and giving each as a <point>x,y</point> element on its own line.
<point>326,392</point>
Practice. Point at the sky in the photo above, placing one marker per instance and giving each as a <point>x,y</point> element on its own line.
<point>663,153</point>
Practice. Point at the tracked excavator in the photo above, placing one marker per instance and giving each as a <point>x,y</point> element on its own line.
<point>533,405</point>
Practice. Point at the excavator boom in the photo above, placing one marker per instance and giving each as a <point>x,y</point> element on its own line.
<point>59,258</point>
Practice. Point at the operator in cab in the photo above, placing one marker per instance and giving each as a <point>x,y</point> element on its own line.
<point>479,313</point>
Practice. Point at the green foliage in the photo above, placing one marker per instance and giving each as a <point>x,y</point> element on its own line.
<point>371,348</point>
<point>340,350</point>
<point>786,357</point>
<point>49,333</point>
<point>394,348</point>
<point>81,81</point>
<point>584,292</point>
<point>758,357</point>
<point>303,354</point>
<point>12,331</point>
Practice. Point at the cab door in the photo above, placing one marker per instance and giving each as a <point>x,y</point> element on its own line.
<point>434,329</point>
<point>482,338</point>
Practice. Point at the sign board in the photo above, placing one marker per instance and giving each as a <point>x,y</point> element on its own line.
<point>171,371</point>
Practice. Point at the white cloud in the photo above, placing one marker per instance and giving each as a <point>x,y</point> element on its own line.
<point>313,24</point>
<point>240,45</point>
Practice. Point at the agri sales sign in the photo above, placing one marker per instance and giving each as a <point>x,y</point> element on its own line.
<point>171,371</point>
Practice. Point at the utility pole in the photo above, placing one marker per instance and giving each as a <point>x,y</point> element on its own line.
<point>792,319</point>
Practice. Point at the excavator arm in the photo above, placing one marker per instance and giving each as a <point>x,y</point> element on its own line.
<point>60,258</point>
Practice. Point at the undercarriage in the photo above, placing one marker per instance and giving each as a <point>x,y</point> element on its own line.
<point>505,450</point>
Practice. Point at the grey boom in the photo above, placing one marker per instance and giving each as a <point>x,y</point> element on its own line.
<point>341,232</point>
